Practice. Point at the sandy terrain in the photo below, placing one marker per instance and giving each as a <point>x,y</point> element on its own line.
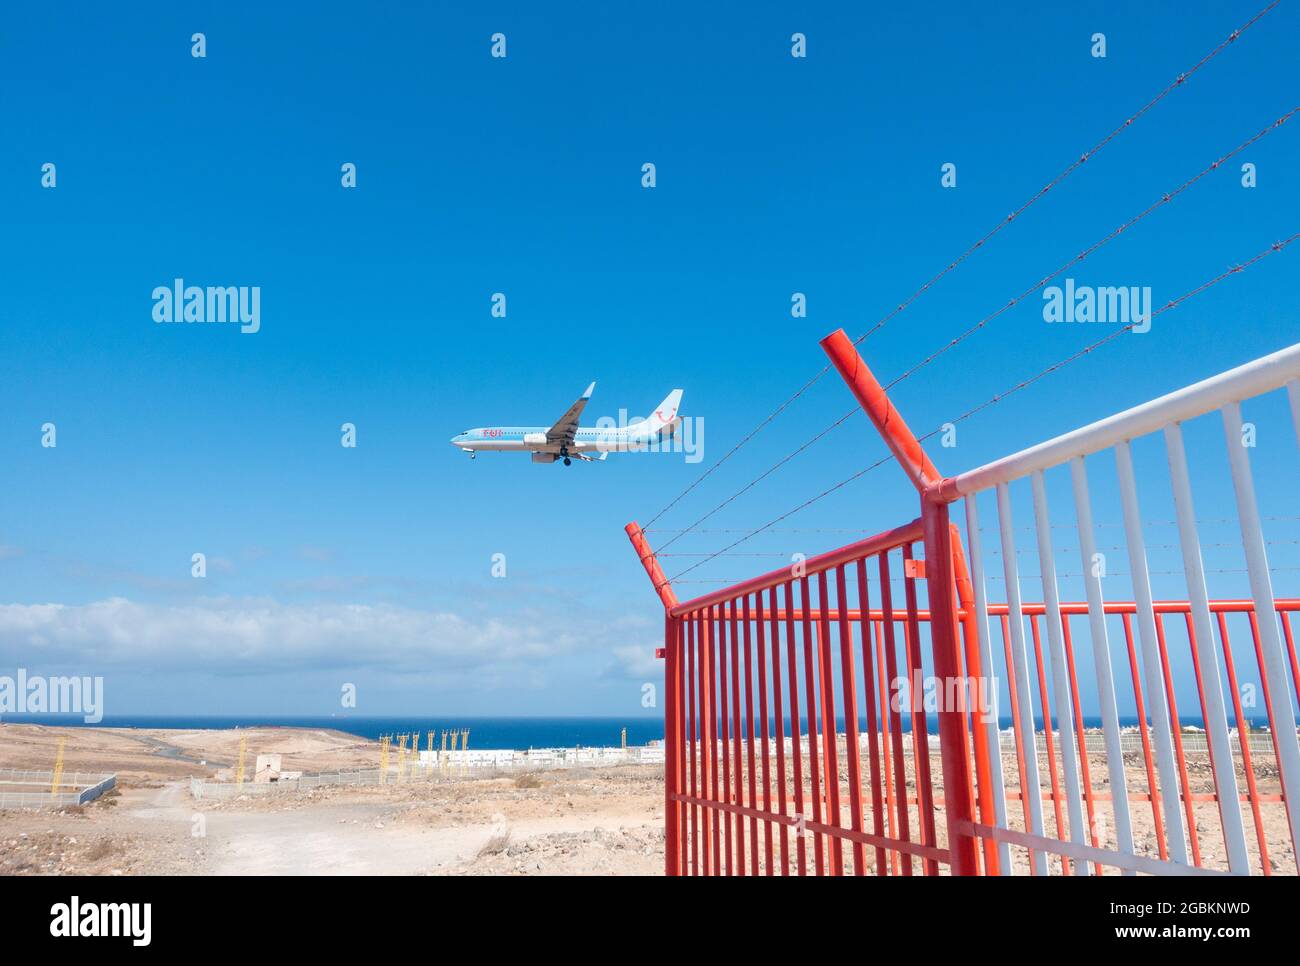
<point>582,821</point>
<point>600,821</point>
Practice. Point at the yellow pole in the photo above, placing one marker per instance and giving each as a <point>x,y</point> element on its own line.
<point>442,758</point>
<point>243,751</point>
<point>58,769</point>
<point>401,756</point>
<point>383,759</point>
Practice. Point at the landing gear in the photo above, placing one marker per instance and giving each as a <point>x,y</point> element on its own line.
<point>564,452</point>
<point>567,461</point>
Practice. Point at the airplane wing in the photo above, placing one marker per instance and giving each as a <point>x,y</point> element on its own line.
<point>563,431</point>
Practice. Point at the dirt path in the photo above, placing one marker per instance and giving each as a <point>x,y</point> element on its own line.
<point>165,750</point>
<point>336,840</point>
<point>585,821</point>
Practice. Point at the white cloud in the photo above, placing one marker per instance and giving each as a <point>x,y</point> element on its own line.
<point>255,635</point>
<point>636,661</point>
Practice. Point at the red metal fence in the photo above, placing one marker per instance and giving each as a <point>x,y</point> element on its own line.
<point>798,705</point>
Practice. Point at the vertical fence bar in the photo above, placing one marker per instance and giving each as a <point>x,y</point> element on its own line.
<point>760,648</point>
<point>1268,696</point>
<point>1261,590</point>
<point>1146,739</point>
<point>1157,706</point>
<point>886,743</point>
<point>724,747</point>
<point>691,631</point>
<point>1290,648</point>
<point>683,761</point>
<point>1101,659</point>
<point>737,740</point>
<point>920,726</point>
<point>779,719</point>
<point>1020,741</point>
<point>810,688</point>
<point>801,846</point>
<point>1243,734</point>
<point>830,733</point>
<point>1216,722</point>
<point>1079,730</point>
<point>1027,743</point>
<point>991,715</point>
<point>712,818</point>
<point>852,752</point>
<point>1049,745</point>
<point>1200,693</point>
<point>683,813</point>
<point>894,715</point>
<point>1183,779</point>
<point>749,740</point>
<point>1060,672</point>
<point>869,698</point>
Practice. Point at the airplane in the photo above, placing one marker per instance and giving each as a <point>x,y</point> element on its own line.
<point>567,441</point>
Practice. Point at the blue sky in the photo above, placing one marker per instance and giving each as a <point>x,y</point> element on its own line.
<point>478,175</point>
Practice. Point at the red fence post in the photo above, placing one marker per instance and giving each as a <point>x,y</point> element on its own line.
<point>953,750</point>
<point>958,790</point>
<point>674,748</point>
<point>672,744</point>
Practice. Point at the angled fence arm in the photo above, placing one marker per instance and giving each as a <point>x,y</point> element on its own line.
<point>869,394</point>
<point>651,564</point>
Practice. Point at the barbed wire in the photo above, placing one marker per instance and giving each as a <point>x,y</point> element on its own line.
<point>998,397</point>
<point>880,323</point>
<point>977,327</point>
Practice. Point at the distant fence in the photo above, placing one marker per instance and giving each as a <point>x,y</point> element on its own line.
<point>84,787</point>
<point>441,766</point>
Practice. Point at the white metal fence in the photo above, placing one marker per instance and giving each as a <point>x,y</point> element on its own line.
<point>1117,438</point>
<point>82,787</point>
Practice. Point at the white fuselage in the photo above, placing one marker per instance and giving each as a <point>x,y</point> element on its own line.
<point>532,439</point>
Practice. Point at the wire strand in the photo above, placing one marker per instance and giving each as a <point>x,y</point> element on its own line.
<point>880,323</point>
<point>978,326</point>
<point>993,400</point>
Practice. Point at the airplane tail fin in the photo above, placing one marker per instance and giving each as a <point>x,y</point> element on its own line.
<point>663,420</point>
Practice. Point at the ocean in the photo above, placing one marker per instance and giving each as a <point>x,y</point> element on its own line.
<point>517,733</point>
<point>485,732</point>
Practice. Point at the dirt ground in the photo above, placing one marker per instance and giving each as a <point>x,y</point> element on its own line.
<point>596,821</point>
<point>604,821</point>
